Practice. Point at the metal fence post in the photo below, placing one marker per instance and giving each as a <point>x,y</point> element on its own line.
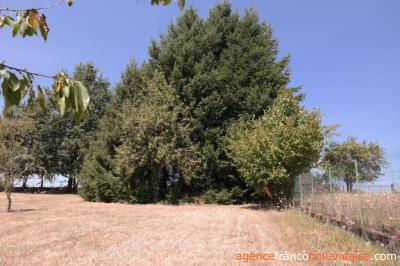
<point>312,194</point>
<point>301,192</point>
<point>331,192</point>
<point>358,194</point>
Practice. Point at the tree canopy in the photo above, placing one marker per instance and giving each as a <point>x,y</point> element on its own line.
<point>342,157</point>
<point>273,150</point>
<point>16,159</point>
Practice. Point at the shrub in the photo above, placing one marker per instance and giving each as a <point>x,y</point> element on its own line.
<point>234,196</point>
<point>191,199</point>
<point>209,196</point>
<point>271,151</point>
<point>223,197</point>
<point>106,189</point>
<point>172,196</point>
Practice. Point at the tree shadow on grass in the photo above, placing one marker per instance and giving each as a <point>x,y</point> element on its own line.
<point>26,210</point>
<point>264,207</point>
<point>258,207</point>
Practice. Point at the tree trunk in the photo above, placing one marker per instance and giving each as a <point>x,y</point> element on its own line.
<point>70,184</point>
<point>266,190</point>
<point>160,174</point>
<point>349,185</point>
<point>24,180</point>
<point>41,183</point>
<point>74,188</point>
<point>8,194</point>
<point>8,185</point>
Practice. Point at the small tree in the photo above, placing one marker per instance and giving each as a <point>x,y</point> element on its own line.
<point>15,159</point>
<point>341,158</point>
<point>271,151</point>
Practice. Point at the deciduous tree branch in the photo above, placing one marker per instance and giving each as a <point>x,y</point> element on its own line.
<point>5,9</point>
<point>27,71</point>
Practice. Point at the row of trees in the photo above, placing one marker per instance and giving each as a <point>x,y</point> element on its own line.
<point>210,113</point>
<point>154,147</point>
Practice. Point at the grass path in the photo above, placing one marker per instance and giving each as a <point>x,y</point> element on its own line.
<point>64,230</point>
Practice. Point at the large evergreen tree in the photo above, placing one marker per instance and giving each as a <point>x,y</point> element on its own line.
<point>222,68</point>
<point>99,178</point>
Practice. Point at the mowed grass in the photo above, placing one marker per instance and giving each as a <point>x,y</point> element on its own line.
<point>380,211</point>
<point>65,230</point>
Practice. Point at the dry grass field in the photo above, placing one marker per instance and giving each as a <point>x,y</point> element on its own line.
<point>65,230</point>
<point>379,211</point>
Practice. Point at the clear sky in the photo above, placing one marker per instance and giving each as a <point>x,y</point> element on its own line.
<point>345,53</point>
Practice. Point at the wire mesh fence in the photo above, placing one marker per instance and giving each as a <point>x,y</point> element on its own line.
<point>373,204</point>
<point>35,181</point>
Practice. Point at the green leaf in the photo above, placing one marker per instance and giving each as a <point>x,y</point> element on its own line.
<point>62,105</point>
<point>24,83</point>
<point>44,29</point>
<point>79,99</point>
<point>70,2</point>
<point>165,2</point>
<point>66,90</point>
<point>31,97</point>
<point>16,28</point>
<point>2,21</point>
<point>11,98</point>
<point>181,3</point>
<point>84,96</point>
<point>40,97</point>
<point>14,82</point>
<point>27,31</point>
<point>71,97</point>
<point>4,73</point>
<point>9,21</point>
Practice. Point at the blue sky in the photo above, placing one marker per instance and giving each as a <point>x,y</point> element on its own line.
<point>345,53</point>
